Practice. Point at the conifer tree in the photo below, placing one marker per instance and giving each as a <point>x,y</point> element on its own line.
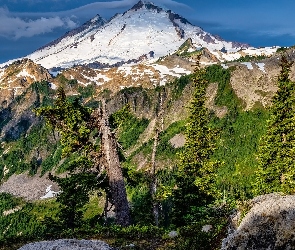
<point>79,127</point>
<point>276,153</point>
<point>196,174</point>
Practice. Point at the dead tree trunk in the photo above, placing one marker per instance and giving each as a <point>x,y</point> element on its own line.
<point>110,161</point>
<point>154,181</point>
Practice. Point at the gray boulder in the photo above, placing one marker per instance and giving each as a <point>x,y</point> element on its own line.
<point>269,224</point>
<point>65,244</point>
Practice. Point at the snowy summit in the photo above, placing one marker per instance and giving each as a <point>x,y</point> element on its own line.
<point>146,31</point>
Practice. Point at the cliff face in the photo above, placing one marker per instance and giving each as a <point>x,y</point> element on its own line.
<point>256,82</point>
<point>17,77</point>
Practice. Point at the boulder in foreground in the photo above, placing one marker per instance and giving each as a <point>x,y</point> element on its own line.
<point>67,244</point>
<point>269,224</point>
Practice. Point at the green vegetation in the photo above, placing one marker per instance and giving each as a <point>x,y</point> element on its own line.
<point>248,58</point>
<point>276,150</point>
<point>129,126</point>
<point>282,49</point>
<point>198,184</point>
<point>183,50</point>
<point>196,175</point>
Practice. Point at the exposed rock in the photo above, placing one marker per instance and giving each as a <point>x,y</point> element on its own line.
<point>255,82</point>
<point>17,77</point>
<point>211,93</point>
<point>269,225</point>
<point>28,187</point>
<point>173,234</point>
<point>177,141</point>
<point>117,78</point>
<point>207,228</point>
<point>64,244</point>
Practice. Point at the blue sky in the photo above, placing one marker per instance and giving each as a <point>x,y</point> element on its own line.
<point>26,25</point>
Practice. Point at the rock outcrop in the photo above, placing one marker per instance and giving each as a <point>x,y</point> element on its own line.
<point>17,77</point>
<point>269,225</point>
<point>64,244</point>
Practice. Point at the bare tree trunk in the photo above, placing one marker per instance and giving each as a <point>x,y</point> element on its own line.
<point>110,160</point>
<point>154,181</point>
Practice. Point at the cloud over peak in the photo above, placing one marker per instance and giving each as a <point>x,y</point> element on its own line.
<point>17,27</point>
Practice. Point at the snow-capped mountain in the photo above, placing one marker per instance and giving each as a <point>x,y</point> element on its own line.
<point>145,31</point>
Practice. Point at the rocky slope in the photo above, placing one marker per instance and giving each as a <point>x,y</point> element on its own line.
<point>255,82</point>
<point>17,77</point>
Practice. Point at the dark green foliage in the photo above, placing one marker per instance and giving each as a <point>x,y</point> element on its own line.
<point>165,150</point>
<point>225,95</point>
<point>42,87</point>
<point>71,120</point>
<point>21,221</point>
<point>282,49</point>
<point>87,91</point>
<point>239,137</point>
<point>277,147</point>
<point>196,176</point>
<point>21,153</point>
<point>178,86</point>
<point>52,159</point>
<point>141,211</point>
<point>75,194</point>
<point>249,58</point>
<point>130,127</point>
<point>193,237</point>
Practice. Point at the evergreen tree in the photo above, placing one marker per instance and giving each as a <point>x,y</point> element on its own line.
<point>276,154</point>
<point>196,174</point>
<point>80,129</point>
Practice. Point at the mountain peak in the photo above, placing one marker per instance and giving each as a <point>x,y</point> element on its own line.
<point>146,4</point>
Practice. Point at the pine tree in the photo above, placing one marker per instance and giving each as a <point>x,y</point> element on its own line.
<point>79,127</point>
<point>196,175</point>
<point>276,153</point>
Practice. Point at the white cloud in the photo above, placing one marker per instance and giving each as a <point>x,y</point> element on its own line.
<point>103,8</point>
<point>17,27</point>
<point>29,24</point>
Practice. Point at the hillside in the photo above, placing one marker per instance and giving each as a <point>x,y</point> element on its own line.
<point>135,137</point>
<point>181,115</point>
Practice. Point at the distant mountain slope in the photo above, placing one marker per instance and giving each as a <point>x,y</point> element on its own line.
<point>143,32</point>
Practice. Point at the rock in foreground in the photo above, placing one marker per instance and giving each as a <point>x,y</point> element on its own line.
<point>64,244</point>
<point>269,224</point>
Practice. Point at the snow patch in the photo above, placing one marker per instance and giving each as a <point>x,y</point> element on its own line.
<point>248,64</point>
<point>11,211</point>
<point>49,193</point>
<point>261,66</point>
<point>224,66</point>
<point>52,85</point>
<point>25,73</point>
<point>54,73</point>
<point>178,70</point>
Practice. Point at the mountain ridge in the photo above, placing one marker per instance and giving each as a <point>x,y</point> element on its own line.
<point>126,37</point>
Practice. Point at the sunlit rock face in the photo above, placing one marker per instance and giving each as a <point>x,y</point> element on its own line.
<point>269,224</point>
